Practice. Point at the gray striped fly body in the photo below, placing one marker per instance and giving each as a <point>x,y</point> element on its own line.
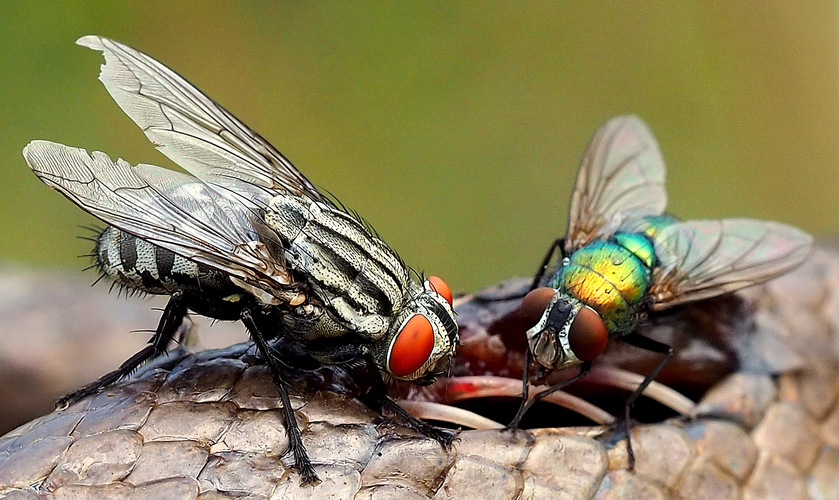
<point>244,236</point>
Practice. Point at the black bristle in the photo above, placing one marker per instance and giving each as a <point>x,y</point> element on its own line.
<point>93,229</point>
<point>101,275</point>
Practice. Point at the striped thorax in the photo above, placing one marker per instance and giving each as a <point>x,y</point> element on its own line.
<point>351,286</point>
<point>360,286</point>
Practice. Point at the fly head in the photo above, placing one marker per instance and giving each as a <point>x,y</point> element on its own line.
<point>565,330</point>
<point>422,338</point>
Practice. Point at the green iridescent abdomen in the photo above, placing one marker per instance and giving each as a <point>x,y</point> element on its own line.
<point>610,276</point>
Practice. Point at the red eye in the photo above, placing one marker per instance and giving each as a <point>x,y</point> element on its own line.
<point>534,304</point>
<point>412,346</point>
<point>587,335</point>
<point>441,287</point>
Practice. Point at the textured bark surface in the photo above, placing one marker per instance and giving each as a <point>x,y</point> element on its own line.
<point>207,424</point>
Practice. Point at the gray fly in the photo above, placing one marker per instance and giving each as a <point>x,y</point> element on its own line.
<point>245,237</point>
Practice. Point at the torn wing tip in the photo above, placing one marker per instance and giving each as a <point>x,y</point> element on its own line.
<point>28,148</point>
<point>32,151</point>
<point>91,41</point>
<point>35,143</point>
<point>39,146</point>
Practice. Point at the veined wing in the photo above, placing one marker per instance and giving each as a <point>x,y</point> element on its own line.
<point>189,127</point>
<point>194,219</point>
<point>704,258</point>
<point>621,174</point>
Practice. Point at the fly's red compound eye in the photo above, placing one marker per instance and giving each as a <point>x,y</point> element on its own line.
<point>534,305</point>
<point>412,347</point>
<point>442,288</point>
<point>587,335</point>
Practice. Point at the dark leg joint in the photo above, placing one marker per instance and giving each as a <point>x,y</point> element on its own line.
<point>537,279</point>
<point>295,438</point>
<point>445,438</point>
<point>172,318</point>
<point>381,401</point>
<point>648,344</point>
<point>526,404</point>
<point>543,267</point>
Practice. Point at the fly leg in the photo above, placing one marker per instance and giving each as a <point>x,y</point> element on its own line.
<point>543,267</point>
<point>525,393</point>
<point>540,275</point>
<point>648,344</point>
<point>526,404</point>
<point>525,379</point>
<point>172,318</point>
<point>378,393</point>
<point>295,439</point>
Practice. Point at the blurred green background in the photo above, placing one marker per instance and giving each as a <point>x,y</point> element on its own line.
<point>454,128</point>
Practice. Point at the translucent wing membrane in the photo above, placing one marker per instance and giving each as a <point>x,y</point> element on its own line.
<point>197,220</point>
<point>189,127</point>
<point>704,258</point>
<point>622,171</point>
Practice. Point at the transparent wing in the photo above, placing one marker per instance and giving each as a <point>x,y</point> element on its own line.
<point>621,175</point>
<point>197,220</point>
<point>189,127</point>
<point>703,258</point>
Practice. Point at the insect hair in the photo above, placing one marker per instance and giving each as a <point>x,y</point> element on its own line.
<point>93,256</point>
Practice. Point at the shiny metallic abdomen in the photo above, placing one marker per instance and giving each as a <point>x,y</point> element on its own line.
<point>610,276</point>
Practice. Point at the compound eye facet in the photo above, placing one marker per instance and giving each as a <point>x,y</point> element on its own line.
<point>534,304</point>
<point>412,346</point>
<point>587,335</point>
<point>440,286</point>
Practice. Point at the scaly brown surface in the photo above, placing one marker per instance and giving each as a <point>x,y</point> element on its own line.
<point>206,425</point>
